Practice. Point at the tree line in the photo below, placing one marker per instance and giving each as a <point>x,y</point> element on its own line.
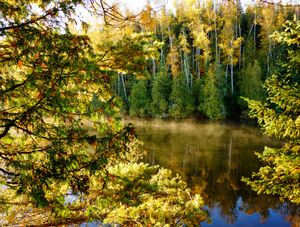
<point>65,158</point>
<point>210,54</point>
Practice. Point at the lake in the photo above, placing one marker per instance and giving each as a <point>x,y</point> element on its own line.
<point>212,158</point>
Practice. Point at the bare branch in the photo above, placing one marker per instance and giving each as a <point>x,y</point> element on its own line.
<point>48,13</point>
<point>279,3</point>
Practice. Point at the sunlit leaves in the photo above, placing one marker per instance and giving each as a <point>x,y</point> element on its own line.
<point>279,116</point>
<point>52,133</point>
<point>123,50</point>
<point>281,175</point>
<point>134,193</point>
<point>139,182</point>
<point>251,84</point>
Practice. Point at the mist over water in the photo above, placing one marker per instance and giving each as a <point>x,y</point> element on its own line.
<point>212,158</point>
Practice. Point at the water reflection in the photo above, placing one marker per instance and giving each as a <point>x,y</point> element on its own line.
<point>212,158</point>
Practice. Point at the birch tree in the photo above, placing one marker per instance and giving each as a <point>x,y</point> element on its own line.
<point>229,42</point>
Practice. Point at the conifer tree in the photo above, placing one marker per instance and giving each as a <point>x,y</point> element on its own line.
<point>64,157</point>
<point>251,84</point>
<point>280,116</point>
<point>139,99</point>
<point>161,89</point>
<point>181,99</point>
<point>213,93</point>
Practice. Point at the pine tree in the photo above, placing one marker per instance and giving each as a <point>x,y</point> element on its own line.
<point>181,99</point>
<point>251,84</point>
<point>280,117</point>
<point>161,90</point>
<point>65,159</point>
<point>213,93</point>
<point>139,99</point>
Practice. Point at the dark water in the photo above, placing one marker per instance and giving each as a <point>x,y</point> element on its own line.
<point>212,158</point>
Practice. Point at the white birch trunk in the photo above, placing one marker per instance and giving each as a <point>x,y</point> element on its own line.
<point>124,87</point>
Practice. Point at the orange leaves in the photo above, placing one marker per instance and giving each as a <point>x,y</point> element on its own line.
<point>20,64</point>
<point>40,95</point>
<point>44,66</point>
<point>37,55</point>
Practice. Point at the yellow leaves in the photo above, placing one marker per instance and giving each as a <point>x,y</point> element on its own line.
<point>237,42</point>
<point>173,59</point>
<point>297,122</point>
<point>230,48</point>
<point>147,19</point>
<point>184,43</point>
<point>127,30</point>
<point>187,9</point>
<point>281,18</point>
<point>200,34</point>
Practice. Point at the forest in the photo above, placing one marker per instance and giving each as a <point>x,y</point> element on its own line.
<point>210,55</point>
<point>70,70</point>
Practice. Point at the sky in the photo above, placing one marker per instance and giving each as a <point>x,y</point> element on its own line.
<point>138,4</point>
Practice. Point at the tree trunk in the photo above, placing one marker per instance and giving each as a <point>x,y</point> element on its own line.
<point>269,57</point>
<point>162,51</point>
<point>230,155</point>
<point>216,33</point>
<point>119,85</point>
<point>124,87</point>
<point>240,47</point>
<point>254,32</point>
<point>153,67</point>
<point>231,73</point>
<point>198,71</point>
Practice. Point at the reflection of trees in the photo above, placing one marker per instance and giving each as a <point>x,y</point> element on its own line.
<point>291,213</point>
<point>223,187</point>
<point>294,220</point>
<point>212,163</point>
<point>262,204</point>
<point>258,204</point>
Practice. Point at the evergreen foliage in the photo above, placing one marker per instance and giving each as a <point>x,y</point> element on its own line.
<point>139,99</point>
<point>181,99</point>
<point>64,156</point>
<point>133,194</point>
<point>213,93</point>
<point>161,89</point>
<point>193,39</point>
<point>251,84</point>
<point>279,117</point>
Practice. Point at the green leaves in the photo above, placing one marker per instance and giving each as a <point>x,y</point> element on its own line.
<point>279,116</point>
<point>213,94</point>
<point>160,199</point>
<point>160,93</point>
<point>49,85</point>
<point>181,99</point>
<point>139,99</point>
<point>251,84</point>
<point>280,176</point>
<point>64,157</point>
<point>133,193</point>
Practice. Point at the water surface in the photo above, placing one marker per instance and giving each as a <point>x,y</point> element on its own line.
<point>212,158</point>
